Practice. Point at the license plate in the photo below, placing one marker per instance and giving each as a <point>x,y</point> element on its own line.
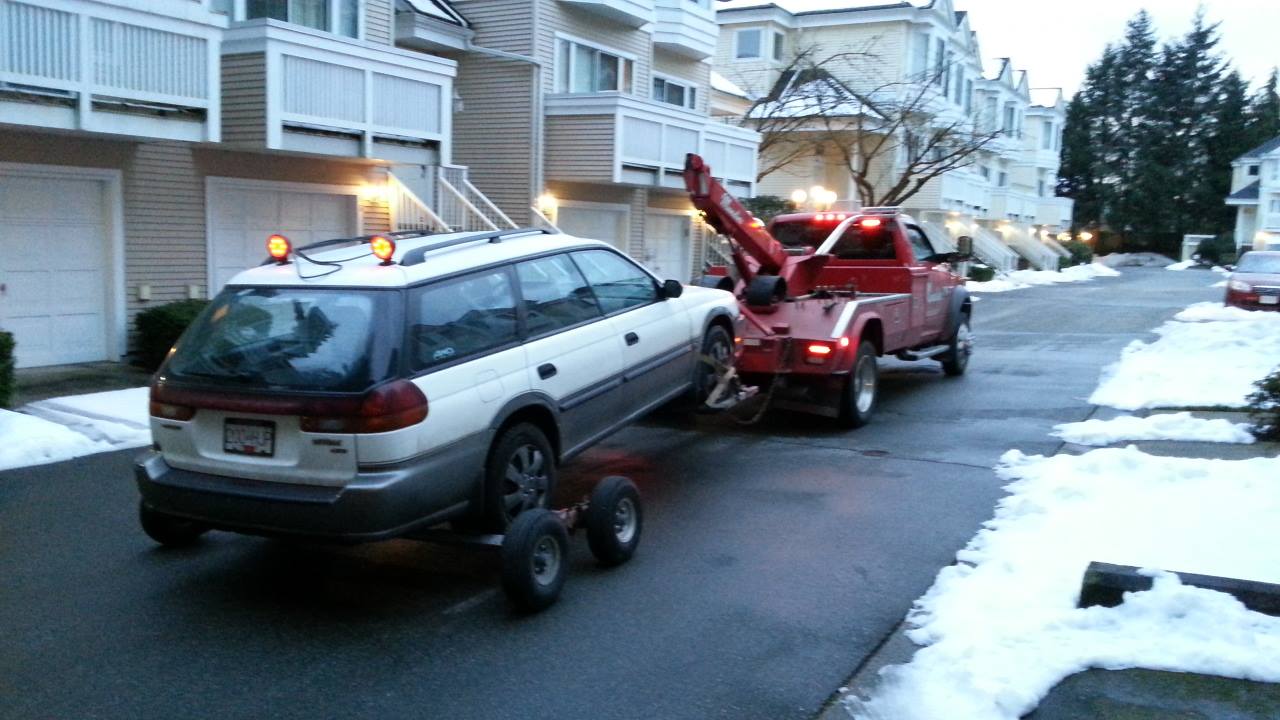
<point>249,437</point>
<point>1269,299</point>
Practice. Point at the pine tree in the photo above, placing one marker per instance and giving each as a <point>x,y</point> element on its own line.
<point>1228,139</point>
<point>1078,175</point>
<point>1264,112</point>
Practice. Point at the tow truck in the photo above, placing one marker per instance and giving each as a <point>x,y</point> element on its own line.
<point>824,294</point>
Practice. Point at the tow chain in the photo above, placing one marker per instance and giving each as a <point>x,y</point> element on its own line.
<point>729,393</point>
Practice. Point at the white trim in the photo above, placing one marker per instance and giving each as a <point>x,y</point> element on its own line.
<point>737,32</point>
<point>116,333</point>
<point>596,46</point>
<point>215,182</point>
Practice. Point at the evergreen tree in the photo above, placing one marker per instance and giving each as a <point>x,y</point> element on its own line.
<point>1264,112</point>
<point>1228,140</point>
<point>1078,175</point>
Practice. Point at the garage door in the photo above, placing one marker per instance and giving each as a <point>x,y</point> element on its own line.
<point>669,249</point>
<point>605,224</point>
<point>53,268</point>
<point>242,218</point>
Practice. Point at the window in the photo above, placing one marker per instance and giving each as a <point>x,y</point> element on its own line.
<point>555,295</point>
<point>747,43</point>
<point>1275,206</point>
<point>1042,187</point>
<point>865,244</point>
<point>939,62</point>
<point>336,16</point>
<point>968,97</point>
<point>920,245</point>
<point>1253,170</point>
<point>985,172</point>
<point>669,91</point>
<point>958,97</point>
<point>779,45</point>
<point>460,318</point>
<point>991,118</point>
<point>1009,118</point>
<point>1046,142</point>
<point>584,69</point>
<point>1004,179</point>
<point>617,282</point>
<point>920,58</point>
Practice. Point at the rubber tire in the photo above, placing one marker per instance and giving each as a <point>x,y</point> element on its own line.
<point>703,376</point>
<point>493,517</point>
<point>518,575</point>
<point>168,530</point>
<point>954,363</point>
<point>765,291</point>
<point>716,282</point>
<point>850,415</point>
<point>602,537</point>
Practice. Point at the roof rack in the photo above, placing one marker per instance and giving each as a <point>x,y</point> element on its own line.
<point>419,254</point>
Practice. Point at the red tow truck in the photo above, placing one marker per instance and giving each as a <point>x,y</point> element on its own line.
<point>823,294</point>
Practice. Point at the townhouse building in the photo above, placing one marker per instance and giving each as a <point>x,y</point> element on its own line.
<point>925,59</point>
<point>1255,194</point>
<point>148,148</point>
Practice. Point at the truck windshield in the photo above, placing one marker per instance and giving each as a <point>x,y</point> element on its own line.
<point>1257,263</point>
<point>857,242</point>
<point>323,340</point>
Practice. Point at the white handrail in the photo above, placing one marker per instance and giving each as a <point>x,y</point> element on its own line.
<point>403,194</point>
<point>465,202</point>
<point>545,220</point>
<point>487,202</point>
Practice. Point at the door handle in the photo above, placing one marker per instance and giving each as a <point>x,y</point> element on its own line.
<point>631,338</point>
<point>546,370</point>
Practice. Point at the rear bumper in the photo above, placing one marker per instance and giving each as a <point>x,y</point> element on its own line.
<point>390,502</point>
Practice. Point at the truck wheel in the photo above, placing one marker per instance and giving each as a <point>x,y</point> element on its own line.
<point>614,521</point>
<point>168,530</point>
<point>718,346</point>
<point>535,559</point>
<point>862,388</point>
<point>520,475</point>
<point>956,359</point>
<point>766,290</point>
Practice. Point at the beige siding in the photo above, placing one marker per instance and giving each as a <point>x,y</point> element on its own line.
<point>754,76</point>
<point>557,17</point>
<point>244,100</point>
<point>379,21</point>
<point>880,47</point>
<point>164,224</point>
<point>697,74</point>
<point>500,24</point>
<point>580,148</point>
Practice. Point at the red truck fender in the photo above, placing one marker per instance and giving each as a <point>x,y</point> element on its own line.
<point>867,326</point>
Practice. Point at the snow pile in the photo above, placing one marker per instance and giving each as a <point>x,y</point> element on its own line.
<point>33,441</point>
<point>1141,259</point>
<point>1184,265</point>
<point>1176,426</point>
<point>1019,279</point>
<point>1194,364</point>
<point>120,418</point>
<point>1002,627</point>
<point>1214,311</point>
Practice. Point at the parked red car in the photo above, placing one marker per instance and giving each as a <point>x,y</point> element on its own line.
<point>1255,283</point>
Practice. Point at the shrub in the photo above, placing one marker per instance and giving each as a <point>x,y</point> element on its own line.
<point>7,385</point>
<point>1218,250</point>
<point>981,273</point>
<point>1081,254</point>
<point>1264,407</point>
<point>161,326</point>
<point>766,207</point>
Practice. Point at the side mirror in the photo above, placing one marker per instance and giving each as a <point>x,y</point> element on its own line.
<point>672,289</point>
<point>964,245</point>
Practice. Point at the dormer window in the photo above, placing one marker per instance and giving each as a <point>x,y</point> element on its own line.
<point>747,44</point>
<point>1253,170</point>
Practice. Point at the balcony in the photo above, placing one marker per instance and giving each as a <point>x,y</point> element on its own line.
<point>631,13</point>
<point>616,138</point>
<point>1009,204</point>
<point>1055,212</point>
<point>291,88</point>
<point>98,67</point>
<point>686,28</point>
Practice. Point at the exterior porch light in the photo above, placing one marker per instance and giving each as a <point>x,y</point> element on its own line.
<point>548,205</point>
<point>1064,237</point>
<point>799,197</point>
<point>1086,236</point>
<point>379,193</point>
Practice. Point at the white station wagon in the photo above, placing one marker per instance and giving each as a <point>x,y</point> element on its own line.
<point>367,388</point>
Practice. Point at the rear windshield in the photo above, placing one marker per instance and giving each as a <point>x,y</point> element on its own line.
<point>857,243</point>
<point>325,340</point>
<point>1254,263</point>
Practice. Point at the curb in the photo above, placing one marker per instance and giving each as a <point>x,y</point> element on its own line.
<point>1105,585</point>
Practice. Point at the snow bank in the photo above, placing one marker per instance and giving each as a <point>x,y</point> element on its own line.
<point>119,418</point>
<point>1001,627</point>
<point>33,441</point>
<point>1184,265</point>
<point>1194,364</point>
<point>1142,259</point>
<point>1175,426</point>
<point>1019,279</point>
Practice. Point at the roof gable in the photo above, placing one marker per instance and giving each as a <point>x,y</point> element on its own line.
<point>1267,148</point>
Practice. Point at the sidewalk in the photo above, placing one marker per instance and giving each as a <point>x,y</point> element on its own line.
<point>1130,694</point>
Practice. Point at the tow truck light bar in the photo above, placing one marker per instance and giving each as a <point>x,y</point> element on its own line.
<point>383,248</point>
<point>278,247</point>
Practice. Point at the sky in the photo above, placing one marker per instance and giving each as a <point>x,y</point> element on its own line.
<point>1055,40</point>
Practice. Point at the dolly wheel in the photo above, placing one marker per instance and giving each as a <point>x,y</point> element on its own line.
<point>535,558</point>
<point>614,521</point>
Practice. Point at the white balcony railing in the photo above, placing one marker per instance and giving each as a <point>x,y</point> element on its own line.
<point>74,64</point>
<point>1055,212</point>
<point>685,28</point>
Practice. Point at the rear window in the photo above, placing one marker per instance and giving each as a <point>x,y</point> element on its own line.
<point>857,243</point>
<point>1254,263</point>
<point>325,340</point>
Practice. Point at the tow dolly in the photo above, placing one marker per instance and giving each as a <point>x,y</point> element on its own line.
<point>819,308</point>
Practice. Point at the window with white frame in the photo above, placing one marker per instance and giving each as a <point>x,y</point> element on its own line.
<point>985,172</point>
<point>1275,206</point>
<point>675,93</point>
<point>584,69</point>
<point>1046,142</point>
<point>968,97</point>
<point>920,58</point>
<point>747,44</point>
<point>940,62</point>
<point>1253,171</point>
<point>1003,179</point>
<point>1010,118</point>
<point>958,97</point>
<point>340,17</point>
<point>779,45</point>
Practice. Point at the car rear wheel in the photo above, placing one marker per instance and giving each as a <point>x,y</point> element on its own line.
<point>169,530</point>
<point>717,353</point>
<point>520,476</point>
<point>862,389</point>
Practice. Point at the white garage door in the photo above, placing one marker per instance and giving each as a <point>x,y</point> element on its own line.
<point>596,223</point>
<point>53,268</point>
<point>243,217</point>
<point>669,250</point>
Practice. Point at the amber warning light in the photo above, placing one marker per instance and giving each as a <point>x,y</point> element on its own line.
<point>278,248</point>
<point>383,248</point>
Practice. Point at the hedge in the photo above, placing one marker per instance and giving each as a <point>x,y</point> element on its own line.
<point>161,326</point>
<point>7,385</point>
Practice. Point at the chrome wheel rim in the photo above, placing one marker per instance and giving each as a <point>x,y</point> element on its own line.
<point>864,383</point>
<point>546,560</point>
<point>716,360</point>
<point>525,480</point>
<point>625,521</point>
<point>964,344</point>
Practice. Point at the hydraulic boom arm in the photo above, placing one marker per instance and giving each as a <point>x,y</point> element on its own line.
<point>730,218</point>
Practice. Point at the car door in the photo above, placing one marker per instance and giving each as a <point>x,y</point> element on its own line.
<point>656,333</point>
<point>929,293</point>
<point>572,352</point>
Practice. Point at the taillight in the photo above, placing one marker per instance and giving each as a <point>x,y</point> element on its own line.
<point>871,222</point>
<point>817,353</point>
<point>393,406</point>
<point>164,408</point>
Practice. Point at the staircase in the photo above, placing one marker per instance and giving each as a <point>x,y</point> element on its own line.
<point>1041,256</point>
<point>993,251</point>
<point>440,198</point>
<point>941,237</point>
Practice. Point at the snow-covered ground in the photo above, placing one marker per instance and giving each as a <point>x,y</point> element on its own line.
<point>67,427</point>
<point>1188,264</point>
<point>1001,627</point>
<point>1019,279</point>
<point>1173,426</point>
<point>1209,355</point>
<point>1141,259</point>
